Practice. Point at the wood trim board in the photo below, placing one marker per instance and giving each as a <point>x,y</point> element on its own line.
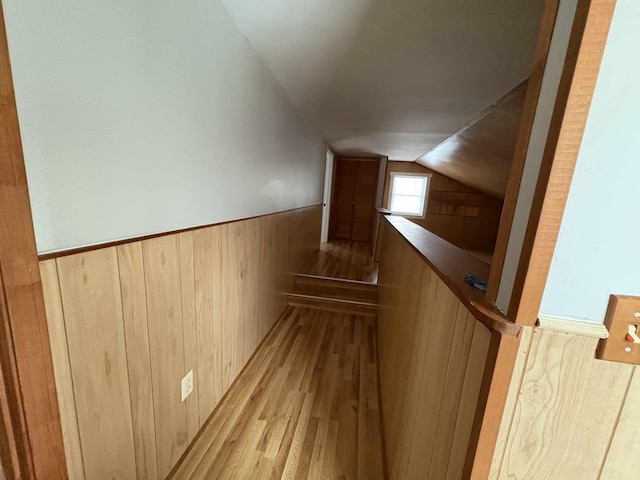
<point>451,264</point>
<point>582,65</point>
<point>124,241</point>
<point>522,144</point>
<point>38,439</point>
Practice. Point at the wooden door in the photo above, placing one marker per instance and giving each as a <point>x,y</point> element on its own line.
<point>355,186</point>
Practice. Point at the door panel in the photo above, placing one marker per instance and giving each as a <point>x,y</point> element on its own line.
<point>355,188</point>
<point>342,210</point>
<point>364,201</point>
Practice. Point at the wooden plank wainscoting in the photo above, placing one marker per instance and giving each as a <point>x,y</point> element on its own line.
<point>437,355</point>
<point>129,321</point>
<point>568,415</point>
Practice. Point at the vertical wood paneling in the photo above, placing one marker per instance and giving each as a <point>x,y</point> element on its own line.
<point>166,337</point>
<point>230,331</point>
<point>459,356</point>
<point>139,316</point>
<point>526,336</point>
<point>62,369</point>
<point>217,340</point>
<point>468,400</point>
<point>621,462</point>
<point>134,312</point>
<point>190,342</point>
<point>432,359</point>
<point>567,408</point>
<point>91,300</point>
<point>204,315</point>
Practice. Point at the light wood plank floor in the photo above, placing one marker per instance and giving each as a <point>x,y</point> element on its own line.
<point>344,259</point>
<point>306,407</point>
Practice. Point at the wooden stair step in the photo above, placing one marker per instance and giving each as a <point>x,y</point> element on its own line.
<point>364,296</point>
<point>333,304</point>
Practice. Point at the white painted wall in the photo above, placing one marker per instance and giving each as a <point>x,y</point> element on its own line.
<point>443,62</point>
<point>147,116</point>
<point>539,132</point>
<point>598,249</point>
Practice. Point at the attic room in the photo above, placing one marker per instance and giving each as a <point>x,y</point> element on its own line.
<point>356,240</point>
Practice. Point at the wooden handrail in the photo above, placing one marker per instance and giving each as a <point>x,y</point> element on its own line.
<point>451,264</point>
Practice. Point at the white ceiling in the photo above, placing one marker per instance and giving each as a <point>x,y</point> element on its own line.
<point>392,77</point>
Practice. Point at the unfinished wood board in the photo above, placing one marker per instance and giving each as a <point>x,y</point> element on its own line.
<point>620,462</point>
<point>90,289</point>
<point>567,408</point>
<point>509,408</point>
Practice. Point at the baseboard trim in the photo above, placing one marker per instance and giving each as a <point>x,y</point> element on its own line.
<point>586,329</point>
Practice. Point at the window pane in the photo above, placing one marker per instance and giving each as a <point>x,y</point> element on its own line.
<point>406,204</point>
<point>408,185</point>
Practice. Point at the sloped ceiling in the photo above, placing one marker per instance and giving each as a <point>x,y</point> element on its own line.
<point>479,155</point>
<point>392,78</point>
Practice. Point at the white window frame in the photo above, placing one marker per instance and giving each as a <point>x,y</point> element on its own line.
<point>427,176</point>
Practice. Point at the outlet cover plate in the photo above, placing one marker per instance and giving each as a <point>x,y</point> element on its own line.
<point>187,385</point>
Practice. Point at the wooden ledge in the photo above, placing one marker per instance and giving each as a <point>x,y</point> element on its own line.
<point>452,264</point>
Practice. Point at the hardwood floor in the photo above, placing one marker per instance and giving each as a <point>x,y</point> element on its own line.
<point>306,407</point>
<point>344,259</point>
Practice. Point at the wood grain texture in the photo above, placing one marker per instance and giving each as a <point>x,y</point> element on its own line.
<point>166,346</point>
<point>188,267</point>
<point>305,407</point>
<point>91,299</point>
<point>472,232</point>
<point>38,438</point>
<point>569,407</point>
<point>480,153</point>
<point>62,368</point>
<point>432,361</point>
<point>534,86</point>
<point>136,330</point>
<point>345,260</point>
<point>353,199</point>
<point>577,84</point>
<point>621,460</point>
<point>451,264</point>
<point>510,405</point>
<point>139,316</point>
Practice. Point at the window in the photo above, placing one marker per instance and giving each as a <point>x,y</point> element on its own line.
<point>409,194</point>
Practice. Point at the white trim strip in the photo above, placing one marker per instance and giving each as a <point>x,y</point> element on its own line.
<point>574,327</point>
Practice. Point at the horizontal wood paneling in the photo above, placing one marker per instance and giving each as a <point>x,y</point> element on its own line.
<point>129,321</point>
<point>459,214</point>
<point>569,415</point>
<point>432,359</point>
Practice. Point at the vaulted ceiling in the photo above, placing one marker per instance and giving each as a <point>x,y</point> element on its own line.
<point>392,78</point>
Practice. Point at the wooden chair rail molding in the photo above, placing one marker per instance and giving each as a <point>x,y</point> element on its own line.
<point>451,264</point>
<point>141,238</point>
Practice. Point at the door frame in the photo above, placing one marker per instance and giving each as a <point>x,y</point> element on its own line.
<point>31,441</point>
<point>571,108</point>
<point>329,173</point>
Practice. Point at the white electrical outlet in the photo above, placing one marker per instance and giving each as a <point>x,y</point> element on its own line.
<point>187,385</point>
